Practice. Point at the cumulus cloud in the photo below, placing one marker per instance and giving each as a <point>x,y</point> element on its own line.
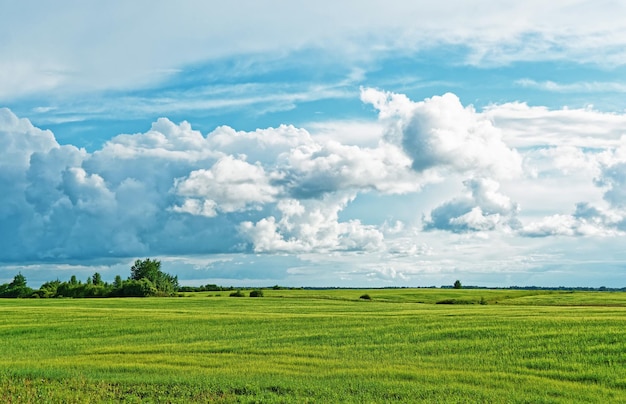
<point>173,190</point>
<point>613,179</point>
<point>229,186</point>
<point>20,140</point>
<point>587,220</point>
<point>63,203</point>
<point>262,145</point>
<point>565,161</point>
<point>329,167</point>
<point>604,172</point>
<point>440,133</point>
<point>484,208</point>
<point>311,225</point>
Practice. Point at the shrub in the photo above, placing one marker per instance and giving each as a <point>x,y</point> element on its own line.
<point>455,301</point>
<point>139,288</point>
<point>256,293</point>
<point>237,294</point>
<point>365,297</point>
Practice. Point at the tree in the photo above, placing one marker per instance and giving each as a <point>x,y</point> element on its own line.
<point>164,283</point>
<point>117,283</point>
<point>147,268</point>
<point>97,279</point>
<point>49,289</point>
<point>137,288</point>
<point>17,288</point>
<point>457,284</point>
<point>19,281</point>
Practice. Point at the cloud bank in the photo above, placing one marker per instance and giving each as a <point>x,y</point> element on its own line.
<point>173,191</point>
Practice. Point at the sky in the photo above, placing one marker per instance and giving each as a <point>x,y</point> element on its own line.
<point>349,144</point>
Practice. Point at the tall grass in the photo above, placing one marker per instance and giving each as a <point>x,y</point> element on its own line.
<point>315,346</point>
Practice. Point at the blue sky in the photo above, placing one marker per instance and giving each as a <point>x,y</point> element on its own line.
<point>268,142</point>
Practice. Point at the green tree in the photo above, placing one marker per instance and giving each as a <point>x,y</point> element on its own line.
<point>147,268</point>
<point>457,284</point>
<point>164,283</point>
<point>17,288</point>
<point>117,283</point>
<point>19,281</point>
<point>137,288</point>
<point>49,289</point>
<point>97,279</point>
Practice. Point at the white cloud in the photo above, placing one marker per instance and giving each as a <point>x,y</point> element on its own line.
<point>585,221</point>
<point>566,160</point>
<point>262,145</point>
<point>311,226</point>
<point>329,167</point>
<point>20,139</point>
<point>357,133</point>
<point>87,192</point>
<point>165,139</point>
<point>229,186</point>
<point>25,77</point>
<point>173,190</point>
<point>577,87</point>
<point>612,180</point>
<point>535,126</point>
<point>482,210</point>
<point>58,47</point>
<point>357,201</point>
<point>439,133</point>
<point>197,207</point>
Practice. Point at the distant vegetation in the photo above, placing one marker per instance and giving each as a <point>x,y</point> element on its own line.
<point>17,288</point>
<point>256,293</point>
<point>147,279</point>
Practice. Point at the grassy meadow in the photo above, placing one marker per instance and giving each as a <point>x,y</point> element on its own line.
<point>318,346</point>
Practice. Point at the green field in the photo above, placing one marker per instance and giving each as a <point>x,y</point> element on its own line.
<point>318,346</point>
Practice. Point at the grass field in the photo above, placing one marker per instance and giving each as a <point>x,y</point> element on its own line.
<point>318,346</point>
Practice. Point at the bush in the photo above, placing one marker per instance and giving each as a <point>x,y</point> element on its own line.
<point>256,293</point>
<point>237,294</point>
<point>365,297</point>
<point>138,288</point>
<point>455,301</point>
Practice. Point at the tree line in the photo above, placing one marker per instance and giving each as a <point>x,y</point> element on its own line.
<point>146,279</point>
